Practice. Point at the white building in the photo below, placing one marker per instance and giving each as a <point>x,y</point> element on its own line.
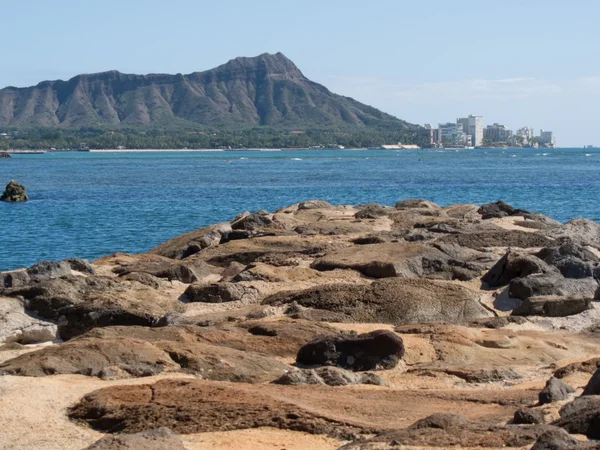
<point>547,138</point>
<point>473,126</point>
<point>452,135</point>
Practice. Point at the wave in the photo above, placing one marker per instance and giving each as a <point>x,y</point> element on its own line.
<point>296,159</point>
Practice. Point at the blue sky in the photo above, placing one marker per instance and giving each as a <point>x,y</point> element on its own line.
<point>527,62</point>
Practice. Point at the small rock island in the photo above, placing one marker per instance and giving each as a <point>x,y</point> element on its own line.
<point>14,192</point>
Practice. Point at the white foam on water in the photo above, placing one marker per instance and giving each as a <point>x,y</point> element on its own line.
<point>296,159</point>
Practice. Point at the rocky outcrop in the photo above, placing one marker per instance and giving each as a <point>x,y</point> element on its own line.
<point>331,376</point>
<point>4,155</point>
<point>395,301</point>
<point>371,351</point>
<point>552,306</point>
<point>222,292</point>
<point>14,192</point>
<point>514,265</point>
<point>593,386</point>
<point>555,391</point>
<point>582,416</point>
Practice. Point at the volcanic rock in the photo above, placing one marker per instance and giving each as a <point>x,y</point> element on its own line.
<point>498,210</point>
<point>582,416</point>
<point>159,439</point>
<point>222,292</point>
<point>552,285</point>
<point>331,376</point>
<point>555,391</point>
<point>14,192</point>
<point>593,386</point>
<point>556,439</point>
<point>528,416</point>
<point>552,306</point>
<point>514,265</point>
<point>193,242</point>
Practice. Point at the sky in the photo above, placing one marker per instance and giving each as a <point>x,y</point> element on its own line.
<point>526,62</point>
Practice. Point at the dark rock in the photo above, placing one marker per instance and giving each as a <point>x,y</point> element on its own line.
<point>593,386</point>
<point>484,375</point>
<point>143,278</point>
<point>582,416</point>
<point>46,270</point>
<point>573,261</point>
<point>552,306</point>
<point>221,292</point>
<point>395,301</point>
<point>416,204</point>
<point>556,439</point>
<point>5,155</point>
<point>158,439</point>
<point>582,232</point>
<point>555,391</point>
<point>252,222</point>
<point>498,209</point>
<point>527,416</point>
<point>366,240</point>
<point>16,279</point>
<point>498,322</point>
<point>193,242</point>
<point>590,366</point>
<point>14,192</point>
<point>186,272</point>
<point>552,285</point>
<point>514,265</point>
<point>81,265</point>
<point>376,350</point>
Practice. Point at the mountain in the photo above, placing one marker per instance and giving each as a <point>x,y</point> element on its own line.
<point>265,90</point>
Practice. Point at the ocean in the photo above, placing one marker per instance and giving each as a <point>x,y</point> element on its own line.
<point>89,205</point>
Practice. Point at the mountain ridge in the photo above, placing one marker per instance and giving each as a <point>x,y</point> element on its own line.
<point>266,90</point>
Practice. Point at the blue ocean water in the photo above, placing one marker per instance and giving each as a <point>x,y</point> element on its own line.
<point>92,204</point>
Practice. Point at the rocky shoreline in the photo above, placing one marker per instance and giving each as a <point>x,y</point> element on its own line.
<point>316,326</point>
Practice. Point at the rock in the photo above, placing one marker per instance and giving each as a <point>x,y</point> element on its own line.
<point>81,265</point>
<point>395,301</point>
<point>252,222</point>
<point>47,270</point>
<point>498,210</point>
<point>555,391</point>
<point>143,278</point>
<point>528,416</point>
<point>417,204</point>
<point>572,260</point>
<point>582,416</point>
<point>484,375</point>
<point>588,366</point>
<point>514,265</point>
<point>4,155</point>
<point>314,204</point>
<point>370,211</point>
<point>593,386</point>
<point>498,238</point>
<point>191,243</point>
<point>79,304</point>
<point>141,352</point>
<point>160,267</point>
<point>367,240</point>
<point>206,407</point>
<point>582,232</point>
<point>14,192</point>
<point>331,376</point>
<point>18,327</point>
<point>552,306</point>
<point>444,430</point>
<point>556,439</point>
<point>370,351</point>
<point>14,279</point>
<point>551,285</point>
<point>159,439</point>
<point>221,292</point>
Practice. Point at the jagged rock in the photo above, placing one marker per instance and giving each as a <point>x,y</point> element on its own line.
<point>193,242</point>
<point>17,326</point>
<point>552,306</point>
<point>552,285</point>
<point>514,265</point>
<point>186,272</point>
<point>395,301</point>
<point>160,439</point>
<point>498,210</point>
<point>572,260</point>
<point>81,265</point>
<point>14,192</point>
<point>582,416</point>
<point>590,366</point>
<point>593,386</point>
<point>582,232</point>
<point>79,304</point>
<point>370,351</point>
<point>528,416</point>
<point>556,439</point>
<point>46,270</point>
<point>331,376</point>
<point>4,155</point>
<point>222,292</point>
<point>555,391</point>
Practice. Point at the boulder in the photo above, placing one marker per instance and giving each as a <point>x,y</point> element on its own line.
<point>555,391</point>
<point>551,285</point>
<point>582,416</point>
<point>160,267</point>
<point>193,242</point>
<point>593,386</point>
<point>395,301</point>
<point>589,366</point>
<point>222,292</point>
<point>16,326</point>
<point>582,232</point>
<point>4,155</point>
<point>417,204</point>
<point>572,260</point>
<point>81,265</point>
<point>143,278</point>
<point>314,204</point>
<point>480,240</point>
<point>329,375</point>
<point>498,209</point>
<point>14,192</point>
<point>159,439</point>
<point>552,306</point>
<point>556,439</point>
<point>528,416</point>
<point>370,211</point>
<point>46,270</point>
<point>514,265</point>
<point>379,349</point>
